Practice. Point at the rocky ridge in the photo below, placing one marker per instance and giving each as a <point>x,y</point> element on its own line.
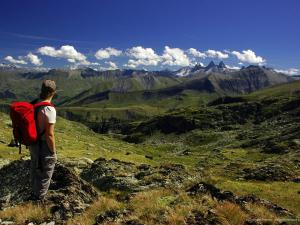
<point>68,194</point>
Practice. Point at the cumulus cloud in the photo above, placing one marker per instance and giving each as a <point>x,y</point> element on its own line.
<point>132,64</point>
<point>66,51</point>
<point>15,61</point>
<point>142,53</point>
<point>216,54</point>
<point>112,65</point>
<point>142,56</point>
<point>107,53</point>
<point>249,56</point>
<point>34,59</point>
<point>175,57</point>
<point>194,52</point>
<point>94,64</point>
<point>291,71</point>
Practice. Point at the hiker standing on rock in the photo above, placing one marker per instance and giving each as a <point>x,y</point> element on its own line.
<point>43,153</point>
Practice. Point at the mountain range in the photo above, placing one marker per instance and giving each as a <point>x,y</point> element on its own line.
<point>88,82</point>
<point>210,68</point>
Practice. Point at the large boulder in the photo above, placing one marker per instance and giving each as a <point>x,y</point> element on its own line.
<point>219,195</point>
<point>118,175</point>
<point>68,194</point>
<point>268,173</point>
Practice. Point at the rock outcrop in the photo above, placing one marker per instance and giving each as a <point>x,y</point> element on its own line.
<point>216,193</point>
<point>68,194</point>
<point>268,173</point>
<point>123,176</point>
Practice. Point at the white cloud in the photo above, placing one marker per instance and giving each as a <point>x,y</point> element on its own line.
<point>194,52</point>
<point>15,61</point>
<point>66,51</point>
<point>132,63</point>
<point>112,65</point>
<point>94,64</point>
<point>240,63</point>
<point>233,67</point>
<point>107,53</point>
<point>142,56</point>
<point>216,54</point>
<point>175,57</point>
<point>291,71</point>
<point>249,56</point>
<point>34,59</point>
<point>142,53</point>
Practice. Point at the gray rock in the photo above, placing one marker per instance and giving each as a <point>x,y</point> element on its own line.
<point>268,173</point>
<point>79,163</point>
<point>51,223</point>
<point>68,194</point>
<point>216,193</point>
<point>4,162</point>
<point>123,176</point>
<point>7,222</point>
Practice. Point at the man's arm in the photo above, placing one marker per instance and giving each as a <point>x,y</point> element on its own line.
<point>49,135</point>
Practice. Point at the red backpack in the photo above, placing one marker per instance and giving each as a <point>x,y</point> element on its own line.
<point>23,116</point>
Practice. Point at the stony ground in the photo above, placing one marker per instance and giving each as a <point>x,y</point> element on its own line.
<point>73,195</point>
<point>68,195</point>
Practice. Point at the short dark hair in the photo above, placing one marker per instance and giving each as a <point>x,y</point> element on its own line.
<point>48,89</point>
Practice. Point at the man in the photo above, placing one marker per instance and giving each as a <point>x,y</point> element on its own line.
<point>43,153</point>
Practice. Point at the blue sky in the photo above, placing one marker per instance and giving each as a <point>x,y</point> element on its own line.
<point>154,34</point>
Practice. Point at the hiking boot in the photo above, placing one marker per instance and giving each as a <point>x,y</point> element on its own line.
<point>39,202</point>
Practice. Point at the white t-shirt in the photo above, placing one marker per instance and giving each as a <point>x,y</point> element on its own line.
<point>46,114</point>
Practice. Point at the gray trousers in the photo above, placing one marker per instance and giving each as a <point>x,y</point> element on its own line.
<point>42,168</point>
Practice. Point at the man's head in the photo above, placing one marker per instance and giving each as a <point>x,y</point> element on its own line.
<point>48,89</point>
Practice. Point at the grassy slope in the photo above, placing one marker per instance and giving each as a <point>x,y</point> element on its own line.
<point>132,106</point>
<point>74,140</point>
<point>220,155</point>
<point>281,90</point>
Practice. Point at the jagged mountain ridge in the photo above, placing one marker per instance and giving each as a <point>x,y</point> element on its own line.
<point>198,68</point>
<point>243,81</point>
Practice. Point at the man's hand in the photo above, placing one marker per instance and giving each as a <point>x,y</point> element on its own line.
<point>49,135</point>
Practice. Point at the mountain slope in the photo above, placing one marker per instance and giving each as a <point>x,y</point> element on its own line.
<point>17,84</point>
